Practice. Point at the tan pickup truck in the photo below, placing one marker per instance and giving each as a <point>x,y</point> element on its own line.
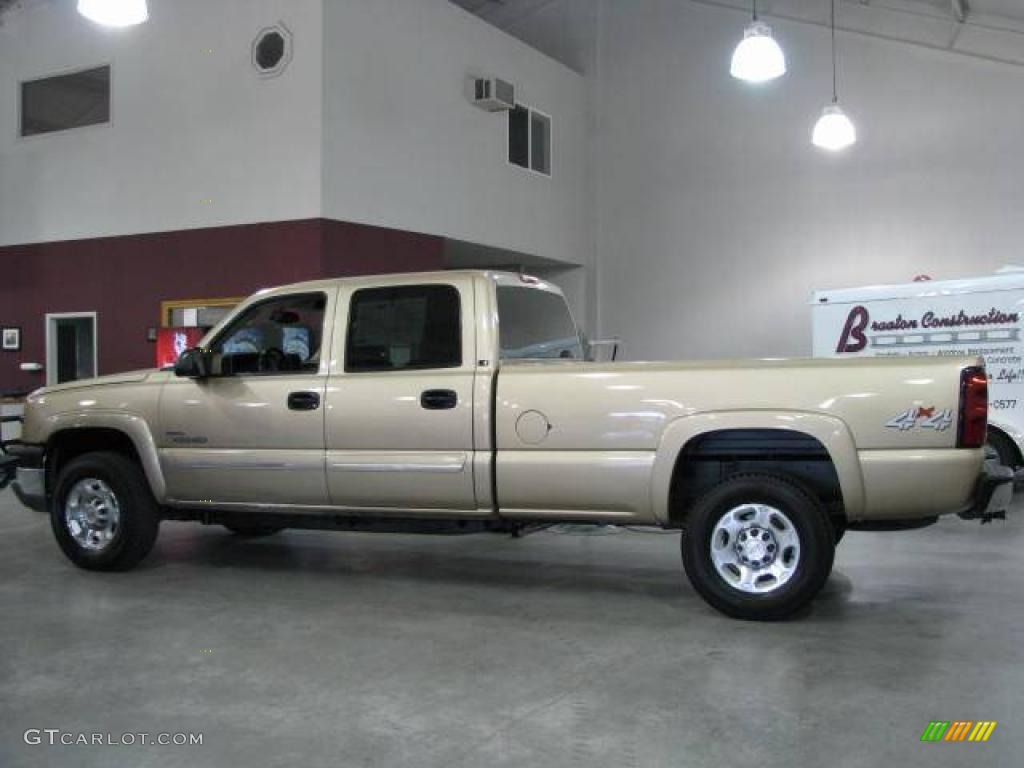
<point>464,400</point>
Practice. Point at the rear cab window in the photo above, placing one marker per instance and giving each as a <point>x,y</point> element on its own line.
<point>536,325</point>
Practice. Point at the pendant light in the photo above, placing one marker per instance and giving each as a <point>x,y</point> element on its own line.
<point>757,58</point>
<point>114,13</point>
<point>834,130</point>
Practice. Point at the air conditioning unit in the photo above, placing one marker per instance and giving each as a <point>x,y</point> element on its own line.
<point>494,94</point>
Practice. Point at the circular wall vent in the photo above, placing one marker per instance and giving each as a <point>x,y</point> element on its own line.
<point>272,50</point>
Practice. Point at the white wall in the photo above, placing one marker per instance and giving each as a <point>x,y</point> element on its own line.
<point>404,148</point>
<point>717,218</point>
<point>370,123</point>
<point>186,127</point>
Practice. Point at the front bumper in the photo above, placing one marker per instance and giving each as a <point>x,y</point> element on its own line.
<point>8,470</point>
<point>22,465</point>
<point>992,494</point>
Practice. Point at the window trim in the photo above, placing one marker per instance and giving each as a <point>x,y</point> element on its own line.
<point>413,368</point>
<point>268,300</point>
<point>529,141</point>
<point>64,131</point>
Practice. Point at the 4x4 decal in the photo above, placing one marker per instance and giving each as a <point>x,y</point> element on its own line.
<point>924,418</point>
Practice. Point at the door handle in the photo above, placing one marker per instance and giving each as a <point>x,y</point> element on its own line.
<point>439,399</point>
<point>303,401</point>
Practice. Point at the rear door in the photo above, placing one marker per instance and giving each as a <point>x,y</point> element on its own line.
<point>399,419</point>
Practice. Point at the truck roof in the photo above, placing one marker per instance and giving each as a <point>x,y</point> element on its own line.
<point>497,276</point>
<point>1007,281</point>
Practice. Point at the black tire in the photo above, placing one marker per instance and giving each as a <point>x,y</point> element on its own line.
<point>1004,448</point>
<point>810,525</point>
<point>253,530</point>
<point>838,529</point>
<point>138,520</point>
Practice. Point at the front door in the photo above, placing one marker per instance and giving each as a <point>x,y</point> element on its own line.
<point>255,433</point>
<point>399,423</point>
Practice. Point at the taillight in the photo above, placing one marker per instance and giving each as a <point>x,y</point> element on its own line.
<point>973,408</point>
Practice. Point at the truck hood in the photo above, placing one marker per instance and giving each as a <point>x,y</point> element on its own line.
<point>129,377</point>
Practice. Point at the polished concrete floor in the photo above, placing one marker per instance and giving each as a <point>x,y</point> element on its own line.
<point>559,649</point>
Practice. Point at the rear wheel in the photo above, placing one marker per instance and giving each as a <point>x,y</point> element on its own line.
<point>758,547</point>
<point>1004,448</point>
<point>102,513</point>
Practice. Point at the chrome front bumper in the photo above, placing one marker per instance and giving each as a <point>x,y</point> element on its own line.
<point>8,470</point>
<point>30,488</point>
<point>21,466</point>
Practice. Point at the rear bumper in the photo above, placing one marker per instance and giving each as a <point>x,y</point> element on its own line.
<point>992,493</point>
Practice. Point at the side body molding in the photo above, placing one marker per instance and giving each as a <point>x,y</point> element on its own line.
<point>132,425</point>
<point>828,430</point>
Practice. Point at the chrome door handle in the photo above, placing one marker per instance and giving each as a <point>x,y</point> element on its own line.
<point>439,399</point>
<point>303,401</point>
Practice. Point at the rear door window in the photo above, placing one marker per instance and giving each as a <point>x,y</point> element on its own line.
<point>409,327</point>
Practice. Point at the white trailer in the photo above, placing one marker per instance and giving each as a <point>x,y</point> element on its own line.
<point>974,316</point>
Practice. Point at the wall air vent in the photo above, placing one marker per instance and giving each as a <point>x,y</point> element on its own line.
<point>272,50</point>
<point>494,94</point>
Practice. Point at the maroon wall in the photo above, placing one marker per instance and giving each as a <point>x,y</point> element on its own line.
<point>355,249</point>
<point>124,279</point>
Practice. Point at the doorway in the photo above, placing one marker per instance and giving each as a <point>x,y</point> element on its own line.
<point>71,347</point>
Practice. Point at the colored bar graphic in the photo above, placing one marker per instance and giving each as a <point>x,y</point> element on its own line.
<point>983,730</point>
<point>959,730</point>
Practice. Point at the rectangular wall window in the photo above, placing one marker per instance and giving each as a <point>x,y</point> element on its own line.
<point>529,139</point>
<point>66,101</point>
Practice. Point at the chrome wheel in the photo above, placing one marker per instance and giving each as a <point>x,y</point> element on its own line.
<point>92,514</point>
<point>755,548</point>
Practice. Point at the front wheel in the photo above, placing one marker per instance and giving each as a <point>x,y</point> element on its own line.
<point>758,547</point>
<point>103,514</point>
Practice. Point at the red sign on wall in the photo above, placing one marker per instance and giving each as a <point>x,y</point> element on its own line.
<point>171,342</point>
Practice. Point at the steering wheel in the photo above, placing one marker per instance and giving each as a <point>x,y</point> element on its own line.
<point>272,359</point>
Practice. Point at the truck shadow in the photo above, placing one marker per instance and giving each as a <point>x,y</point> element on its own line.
<point>509,567</point>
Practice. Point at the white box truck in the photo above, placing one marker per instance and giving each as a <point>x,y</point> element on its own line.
<point>974,316</point>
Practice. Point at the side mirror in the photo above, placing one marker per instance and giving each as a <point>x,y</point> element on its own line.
<point>193,364</point>
<point>603,350</point>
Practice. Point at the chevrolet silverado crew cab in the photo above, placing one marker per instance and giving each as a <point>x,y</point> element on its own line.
<point>465,400</point>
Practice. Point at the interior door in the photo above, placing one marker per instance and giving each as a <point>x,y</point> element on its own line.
<point>254,434</point>
<point>399,422</point>
<point>70,347</point>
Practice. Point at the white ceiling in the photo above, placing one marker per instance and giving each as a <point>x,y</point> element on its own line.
<point>1010,9</point>
<point>990,29</point>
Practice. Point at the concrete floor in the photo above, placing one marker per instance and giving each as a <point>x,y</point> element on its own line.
<point>332,649</point>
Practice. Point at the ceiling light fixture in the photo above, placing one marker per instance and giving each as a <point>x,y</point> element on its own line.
<point>757,58</point>
<point>114,13</point>
<point>834,130</point>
